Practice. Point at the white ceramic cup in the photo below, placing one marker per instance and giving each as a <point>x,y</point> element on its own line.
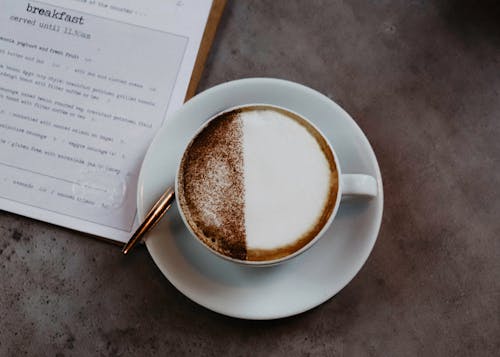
<point>349,186</point>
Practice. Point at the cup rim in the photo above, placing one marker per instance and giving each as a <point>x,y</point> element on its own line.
<point>261,263</point>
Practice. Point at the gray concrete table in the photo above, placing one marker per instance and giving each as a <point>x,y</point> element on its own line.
<point>422,79</point>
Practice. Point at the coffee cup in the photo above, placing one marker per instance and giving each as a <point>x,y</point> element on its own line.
<point>259,184</point>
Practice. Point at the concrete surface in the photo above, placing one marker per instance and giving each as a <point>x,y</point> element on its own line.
<point>422,78</point>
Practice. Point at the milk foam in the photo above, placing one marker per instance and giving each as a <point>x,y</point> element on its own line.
<point>286,179</point>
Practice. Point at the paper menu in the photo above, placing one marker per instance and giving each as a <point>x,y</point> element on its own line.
<point>84,86</point>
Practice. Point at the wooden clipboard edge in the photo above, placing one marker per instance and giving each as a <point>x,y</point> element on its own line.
<point>206,43</point>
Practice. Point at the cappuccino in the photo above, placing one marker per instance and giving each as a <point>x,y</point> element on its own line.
<point>257,183</point>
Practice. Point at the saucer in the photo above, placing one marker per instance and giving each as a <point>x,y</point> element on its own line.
<point>247,292</point>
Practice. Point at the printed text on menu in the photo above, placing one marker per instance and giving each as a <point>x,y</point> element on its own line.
<point>81,97</point>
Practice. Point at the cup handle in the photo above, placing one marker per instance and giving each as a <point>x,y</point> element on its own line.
<point>358,185</point>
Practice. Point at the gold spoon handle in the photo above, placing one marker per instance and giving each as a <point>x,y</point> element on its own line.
<point>152,218</point>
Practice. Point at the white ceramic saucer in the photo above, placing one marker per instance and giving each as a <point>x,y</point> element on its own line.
<point>294,286</point>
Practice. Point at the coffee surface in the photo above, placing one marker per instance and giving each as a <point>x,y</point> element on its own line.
<point>257,183</point>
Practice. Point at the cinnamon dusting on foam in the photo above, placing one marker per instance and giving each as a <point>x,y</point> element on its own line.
<point>211,191</point>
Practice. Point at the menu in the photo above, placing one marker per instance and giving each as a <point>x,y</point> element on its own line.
<point>84,87</point>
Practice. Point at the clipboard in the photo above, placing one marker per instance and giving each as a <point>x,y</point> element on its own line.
<point>212,21</point>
